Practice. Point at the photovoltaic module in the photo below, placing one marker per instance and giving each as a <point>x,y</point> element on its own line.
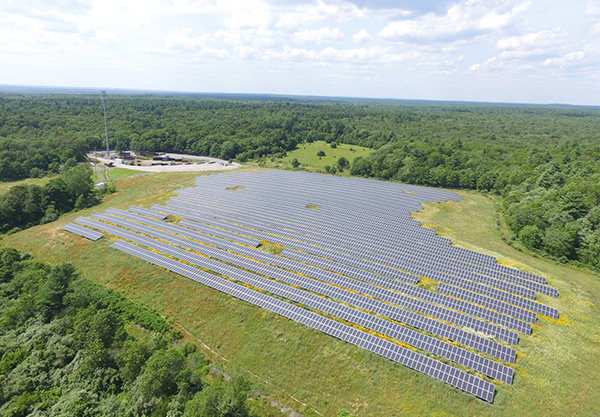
<point>352,256</point>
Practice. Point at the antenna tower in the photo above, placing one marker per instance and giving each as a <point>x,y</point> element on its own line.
<point>103,98</point>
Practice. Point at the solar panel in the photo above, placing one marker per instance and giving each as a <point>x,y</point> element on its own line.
<point>363,319</point>
<point>146,212</point>
<point>496,305</point>
<point>360,258</point>
<point>397,353</point>
<point>82,231</point>
<point>404,316</point>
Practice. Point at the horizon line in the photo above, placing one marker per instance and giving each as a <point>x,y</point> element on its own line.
<point>286,95</point>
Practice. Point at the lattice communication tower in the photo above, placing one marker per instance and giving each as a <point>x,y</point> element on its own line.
<point>103,98</point>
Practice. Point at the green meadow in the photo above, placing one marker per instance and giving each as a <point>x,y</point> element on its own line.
<point>306,153</point>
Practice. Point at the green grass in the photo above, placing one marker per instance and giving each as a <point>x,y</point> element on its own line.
<point>307,154</point>
<point>5,186</point>
<point>557,373</point>
<point>119,173</point>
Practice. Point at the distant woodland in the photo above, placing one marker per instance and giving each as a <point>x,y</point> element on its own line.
<point>543,162</point>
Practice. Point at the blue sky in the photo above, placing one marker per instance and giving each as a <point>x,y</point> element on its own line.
<point>522,51</point>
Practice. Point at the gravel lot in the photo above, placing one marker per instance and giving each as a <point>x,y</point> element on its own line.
<point>206,166</point>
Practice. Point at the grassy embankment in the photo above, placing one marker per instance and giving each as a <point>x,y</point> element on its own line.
<point>556,375</point>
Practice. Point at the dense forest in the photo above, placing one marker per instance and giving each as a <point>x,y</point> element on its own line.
<point>65,350</point>
<point>544,162</point>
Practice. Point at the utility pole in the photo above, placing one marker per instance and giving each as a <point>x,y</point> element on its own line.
<point>103,98</point>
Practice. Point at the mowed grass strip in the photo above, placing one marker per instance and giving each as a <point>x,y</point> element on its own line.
<point>557,371</point>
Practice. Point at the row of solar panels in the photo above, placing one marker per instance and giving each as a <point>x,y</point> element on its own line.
<point>419,340</point>
<point>396,192</point>
<point>352,184</point>
<point>460,379</point>
<point>188,239</point>
<point>352,187</point>
<point>331,250</point>
<point>357,237</point>
<point>317,262</point>
<point>415,320</point>
<point>384,238</point>
<point>506,298</point>
<point>461,356</point>
<point>196,203</point>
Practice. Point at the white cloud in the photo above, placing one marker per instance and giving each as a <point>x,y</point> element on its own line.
<point>354,56</point>
<point>249,15</point>
<point>210,53</point>
<point>308,13</point>
<point>318,35</point>
<point>246,52</point>
<point>531,44</point>
<point>487,64</point>
<point>362,36</point>
<point>592,9</point>
<point>462,21</point>
<point>270,44</point>
<point>180,39</point>
<point>573,58</point>
<point>256,38</point>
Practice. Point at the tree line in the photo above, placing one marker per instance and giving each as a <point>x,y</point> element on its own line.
<point>65,351</point>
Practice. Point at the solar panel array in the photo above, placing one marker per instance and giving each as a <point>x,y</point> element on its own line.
<point>82,231</point>
<point>348,261</point>
<point>146,212</point>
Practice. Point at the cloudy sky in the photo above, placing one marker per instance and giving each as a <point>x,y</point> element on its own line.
<point>523,51</point>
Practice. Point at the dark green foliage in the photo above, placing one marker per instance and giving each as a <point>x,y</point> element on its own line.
<point>360,166</point>
<point>27,205</point>
<point>531,236</point>
<point>52,292</point>
<point>64,351</point>
<point>220,399</point>
<point>321,153</point>
<point>342,163</point>
<point>295,163</point>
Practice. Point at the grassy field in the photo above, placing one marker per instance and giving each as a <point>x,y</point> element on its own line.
<point>556,375</point>
<point>5,186</point>
<point>307,155</point>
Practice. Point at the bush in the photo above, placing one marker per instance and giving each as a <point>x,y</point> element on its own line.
<point>532,237</point>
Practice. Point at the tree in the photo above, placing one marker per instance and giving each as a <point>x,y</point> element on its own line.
<point>52,292</point>
<point>342,163</point>
<point>78,181</point>
<point>360,166</point>
<point>531,236</point>
<point>220,399</point>
<point>321,153</point>
<point>121,146</point>
<point>295,163</point>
